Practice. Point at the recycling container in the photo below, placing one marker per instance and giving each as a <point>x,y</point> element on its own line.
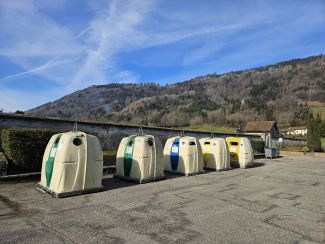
<point>140,158</point>
<point>215,153</point>
<point>183,155</point>
<point>241,151</point>
<point>72,165</point>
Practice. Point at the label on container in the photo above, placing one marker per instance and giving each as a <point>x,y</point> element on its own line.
<point>128,150</point>
<point>53,152</point>
<point>60,146</point>
<point>175,149</point>
<point>232,149</point>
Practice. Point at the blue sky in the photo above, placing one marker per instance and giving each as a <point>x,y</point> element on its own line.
<point>49,49</point>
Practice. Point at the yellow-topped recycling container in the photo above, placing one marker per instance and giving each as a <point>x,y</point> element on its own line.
<point>241,151</point>
<point>215,153</point>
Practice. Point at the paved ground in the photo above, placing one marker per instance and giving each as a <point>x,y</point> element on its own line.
<point>280,201</point>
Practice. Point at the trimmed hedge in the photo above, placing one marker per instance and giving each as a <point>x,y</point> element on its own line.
<point>0,142</point>
<point>258,146</point>
<point>24,148</point>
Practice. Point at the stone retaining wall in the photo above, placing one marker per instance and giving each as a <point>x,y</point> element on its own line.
<point>109,134</point>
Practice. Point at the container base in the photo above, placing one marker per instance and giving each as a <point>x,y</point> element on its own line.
<point>217,170</point>
<point>44,189</point>
<point>139,181</point>
<point>182,173</point>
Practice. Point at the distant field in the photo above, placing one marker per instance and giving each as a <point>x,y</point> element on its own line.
<point>291,149</point>
<point>207,127</point>
<point>323,142</point>
<point>318,107</point>
<point>108,153</point>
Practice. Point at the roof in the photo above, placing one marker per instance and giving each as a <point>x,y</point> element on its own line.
<point>259,126</point>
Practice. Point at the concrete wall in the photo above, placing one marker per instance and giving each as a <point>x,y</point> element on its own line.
<point>109,134</point>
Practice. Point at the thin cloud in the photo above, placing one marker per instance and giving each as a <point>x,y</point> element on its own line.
<point>53,62</point>
<point>110,32</point>
<point>132,41</point>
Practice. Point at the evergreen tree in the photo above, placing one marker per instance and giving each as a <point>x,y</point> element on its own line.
<point>322,128</point>
<point>314,134</point>
<point>317,137</point>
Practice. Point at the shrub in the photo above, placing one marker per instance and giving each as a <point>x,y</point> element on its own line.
<point>0,142</point>
<point>24,148</point>
<point>3,164</point>
<point>258,145</point>
<point>305,149</point>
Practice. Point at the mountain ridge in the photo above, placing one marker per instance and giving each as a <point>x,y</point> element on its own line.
<point>279,91</point>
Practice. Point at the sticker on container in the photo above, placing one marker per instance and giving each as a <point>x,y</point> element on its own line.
<point>128,150</point>
<point>60,146</point>
<point>53,152</point>
<point>232,149</point>
<point>175,149</point>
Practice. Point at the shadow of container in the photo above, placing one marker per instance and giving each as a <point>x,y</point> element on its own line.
<point>110,160</point>
<point>3,165</point>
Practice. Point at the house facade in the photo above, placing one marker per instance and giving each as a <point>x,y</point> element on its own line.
<point>295,131</point>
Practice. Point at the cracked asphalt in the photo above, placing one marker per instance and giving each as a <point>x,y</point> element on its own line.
<point>278,201</point>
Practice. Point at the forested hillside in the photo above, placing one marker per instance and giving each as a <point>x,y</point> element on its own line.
<point>285,91</point>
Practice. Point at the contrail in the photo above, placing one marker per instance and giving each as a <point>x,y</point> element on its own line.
<point>43,66</point>
<point>83,32</point>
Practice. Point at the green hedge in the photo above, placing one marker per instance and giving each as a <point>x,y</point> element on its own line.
<point>24,148</point>
<point>0,142</point>
<point>258,146</point>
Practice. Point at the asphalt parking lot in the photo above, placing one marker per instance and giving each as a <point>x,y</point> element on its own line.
<point>278,201</point>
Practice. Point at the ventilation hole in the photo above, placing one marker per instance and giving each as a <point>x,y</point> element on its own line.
<point>192,143</point>
<point>206,143</point>
<point>234,143</point>
<point>130,143</point>
<point>77,142</point>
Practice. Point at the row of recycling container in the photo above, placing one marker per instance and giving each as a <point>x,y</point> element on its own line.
<point>73,161</point>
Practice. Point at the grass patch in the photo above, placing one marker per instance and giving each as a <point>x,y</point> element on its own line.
<point>292,149</point>
<point>210,128</point>
<point>108,153</point>
<point>318,108</point>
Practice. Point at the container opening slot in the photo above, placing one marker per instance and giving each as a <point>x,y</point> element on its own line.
<point>150,142</point>
<point>77,142</point>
